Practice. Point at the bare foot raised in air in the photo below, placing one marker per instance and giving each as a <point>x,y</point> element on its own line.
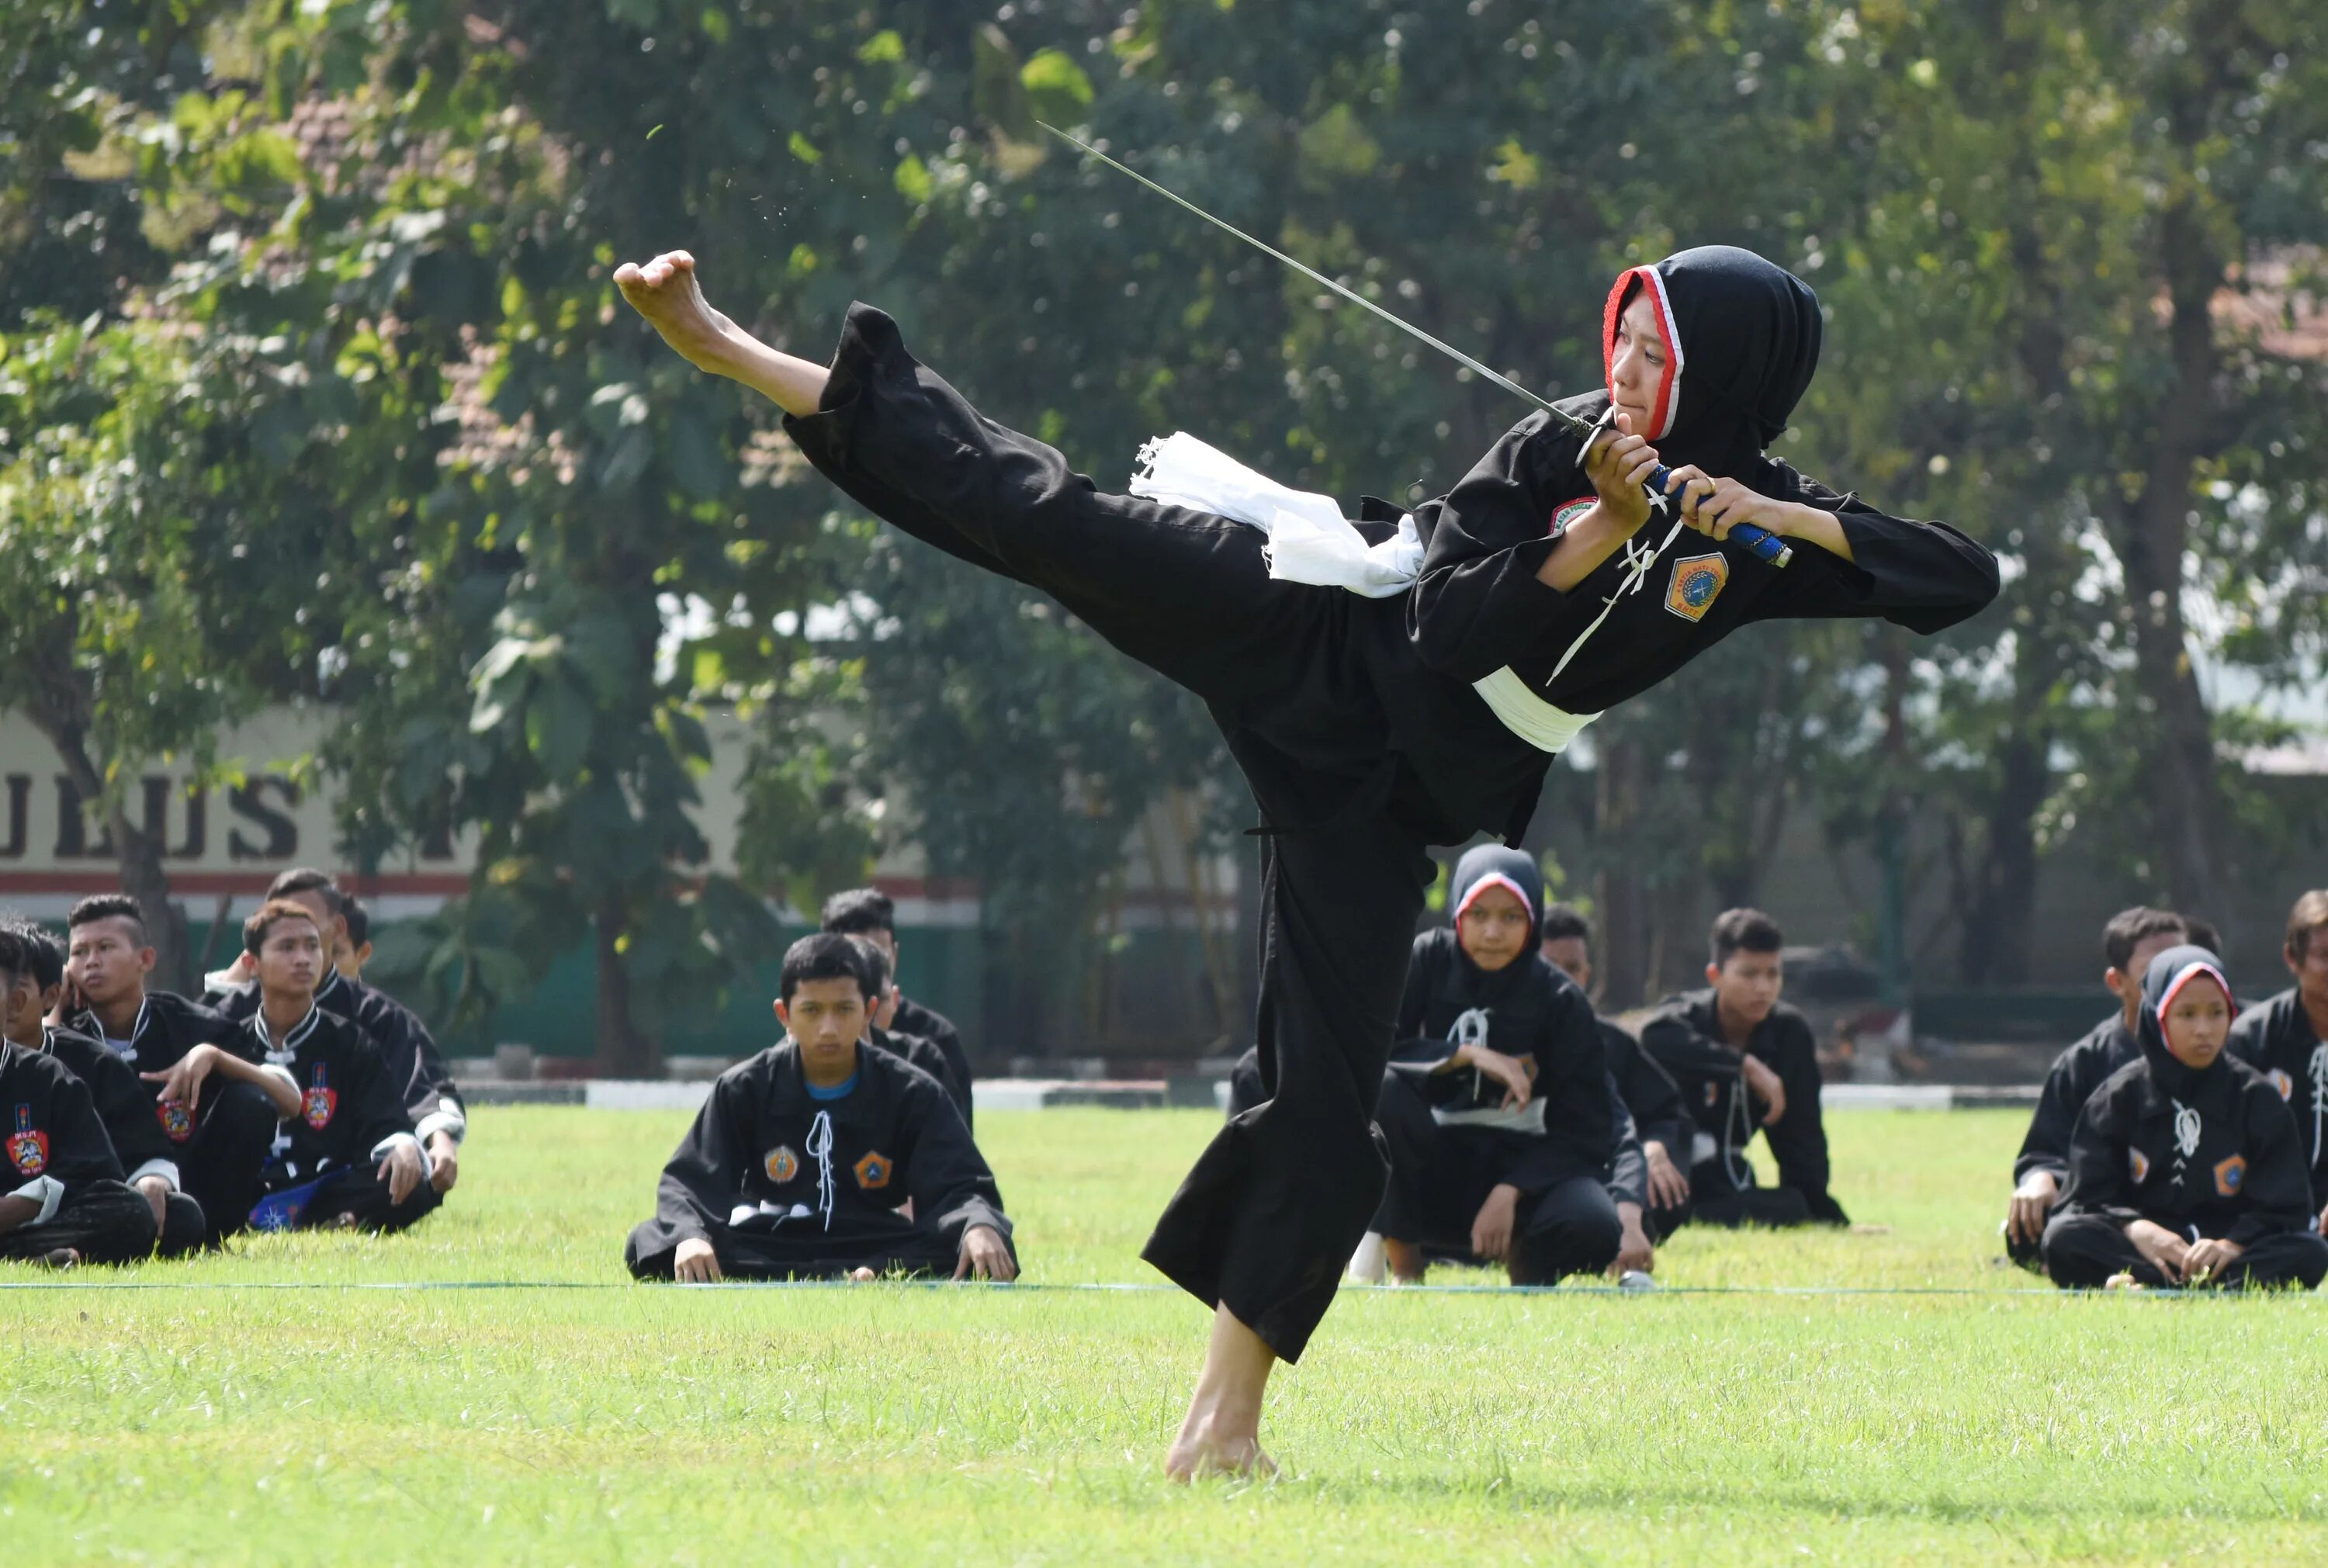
<point>665,291</point>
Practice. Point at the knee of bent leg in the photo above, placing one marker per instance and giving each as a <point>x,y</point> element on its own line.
<point>242,1110</point>
<point>182,1225</point>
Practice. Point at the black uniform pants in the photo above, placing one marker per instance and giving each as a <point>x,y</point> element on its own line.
<point>183,1226</point>
<point>105,1222</point>
<point>2082,1251</point>
<point>798,1251</point>
<point>1267,1218</point>
<point>1440,1176</point>
<point>1714,1201</point>
<point>357,1199</point>
<point>220,1166</point>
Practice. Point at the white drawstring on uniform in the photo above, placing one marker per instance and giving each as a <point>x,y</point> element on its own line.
<point>819,1149</point>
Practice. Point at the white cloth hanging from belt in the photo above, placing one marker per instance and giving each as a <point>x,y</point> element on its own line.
<point>1310,541</point>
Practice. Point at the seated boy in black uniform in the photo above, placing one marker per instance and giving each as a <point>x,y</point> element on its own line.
<point>2129,942</point>
<point>879,1033</point>
<point>1496,1106</point>
<point>62,1200</point>
<point>799,1163</point>
<point>1745,1061</point>
<point>124,1105</point>
<point>1660,1120</point>
<point>2286,1038</point>
<point>349,1157</point>
<point>2185,1168</point>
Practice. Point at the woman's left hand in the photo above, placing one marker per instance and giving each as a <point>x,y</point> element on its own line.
<point>1716,506</point>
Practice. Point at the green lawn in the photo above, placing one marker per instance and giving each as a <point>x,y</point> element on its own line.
<point>893,1424</point>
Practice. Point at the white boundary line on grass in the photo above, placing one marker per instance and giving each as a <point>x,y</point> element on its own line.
<point>1022,1287</point>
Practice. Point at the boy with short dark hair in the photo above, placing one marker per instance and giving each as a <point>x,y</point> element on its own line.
<point>2129,942</point>
<point>1661,1122</point>
<point>1498,1108</point>
<point>913,1048</point>
<point>222,1137</point>
<point>124,1104</point>
<point>2185,1168</point>
<point>62,1200</point>
<point>803,1156</point>
<point>871,912</point>
<point>348,1158</point>
<point>2286,1038</point>
<point>1747,1062</point>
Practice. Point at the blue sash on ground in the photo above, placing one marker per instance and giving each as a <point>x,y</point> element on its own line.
<point>281,1210</point>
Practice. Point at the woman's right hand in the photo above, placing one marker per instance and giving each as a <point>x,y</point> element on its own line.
<point>1618,464</point>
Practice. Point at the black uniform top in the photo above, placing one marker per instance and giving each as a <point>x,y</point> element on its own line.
<point>2211,1153</point>
<point>168,1026</point>
<point>1743,341</point>
<point>349,1109</point>
<point>1649,1092</point>
<point>2276,1038</point>
<point>922,1051</point>
<point>124,1104</point>
<point>1528,1010</point>
<point>1627,1177</point>
<point>2070,1083</point>
<point>49,1129</point>
<point>760,1140</point>
<point>913,1019</point>
<point>1685,1037</point>
<point>415,1067</point>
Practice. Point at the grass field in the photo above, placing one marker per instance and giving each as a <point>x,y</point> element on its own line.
<point>606,1423</point>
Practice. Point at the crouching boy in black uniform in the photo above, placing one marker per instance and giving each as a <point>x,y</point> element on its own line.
<point>801,1160</point>
<point>2185,1168</point>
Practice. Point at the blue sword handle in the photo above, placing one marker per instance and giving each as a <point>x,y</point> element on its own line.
<point>1766,545</point>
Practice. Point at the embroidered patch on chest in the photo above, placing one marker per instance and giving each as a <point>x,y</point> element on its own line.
<point>28,1146</point>
<point>177,1122</point>
<point>781,1164</point>
<point>1713,1092</point>
<point>873,1171</point>
<point>1697,581</point>
<point>1568,512</point>
<point>319,1101</point>
<point>2282,1083</point>
<point>2138,1163</point>
<point>2229,1174</point>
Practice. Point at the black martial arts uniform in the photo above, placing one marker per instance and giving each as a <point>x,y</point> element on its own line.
<point>415,1067</point>
<point>1653,1103</point>
<point>783,1184</point>
<point>325,1166</point>
<point>1356,720</point>
<point>913,1019</point>
<point>2070,1083</point>
<point>923,1052</point>
<point>53,1151</point>
<point>1451,1138</point>
<point>1684,1035</point>
<point>224,1142</point>
<point>2276,1039</point>
<point>2211,1153</point>
<point>125,1107</point>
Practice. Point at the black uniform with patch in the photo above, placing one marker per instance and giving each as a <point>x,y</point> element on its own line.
<point>2070,1083</point>
<point>2276,1038</point>
<point>350,1108</point>
<point>819,1182</point>
<point>49,1128</point>
<point>913,1019</point>
<point>1451,1139</point>
<point>415,1067</point>
<point>221,1144</point>
<point>2209,1153</point>
<point>1684,1035</point>
<point>1354,719</point>
<point>125,1105</point>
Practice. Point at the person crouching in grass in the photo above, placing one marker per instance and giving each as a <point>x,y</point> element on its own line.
<point>350,1158</point>
<point>824,1158</point>
<point>2185,1168</point>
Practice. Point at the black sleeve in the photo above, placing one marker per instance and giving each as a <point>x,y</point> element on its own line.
<point>1650,1094</point>
<point>125,1105</point>
<point>1675,1043</point>
<point>429,1090</point>
<point>374,1097</point>
<point>2068,1084</point>
<point>956,1078</point>
<point>948,1178</point>
<point>1572,1082</point>
<point>2097,1162</point>
<point>2276,1189</point>
<point>80,1152</point>
<point>1798,1140</point>
<point>1924,575</point>
<point>1628,1167</point>
<point>704,1180</point>
<point>1478,603</point>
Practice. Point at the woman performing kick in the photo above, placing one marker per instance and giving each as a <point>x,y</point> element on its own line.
<point>1371,728</point>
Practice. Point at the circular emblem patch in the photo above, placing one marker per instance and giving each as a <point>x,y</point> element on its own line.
<point>177,1122</point>
<point>2282,1083</point>
<point>781,1164</point>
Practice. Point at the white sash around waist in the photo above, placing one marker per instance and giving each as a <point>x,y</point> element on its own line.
<point>1528,716</point>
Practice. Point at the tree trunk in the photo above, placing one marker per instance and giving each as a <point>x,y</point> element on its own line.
<point>1621,965</point>
<point>623,1051</point>
<point>59,714</point>
<point>1999,921</point>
